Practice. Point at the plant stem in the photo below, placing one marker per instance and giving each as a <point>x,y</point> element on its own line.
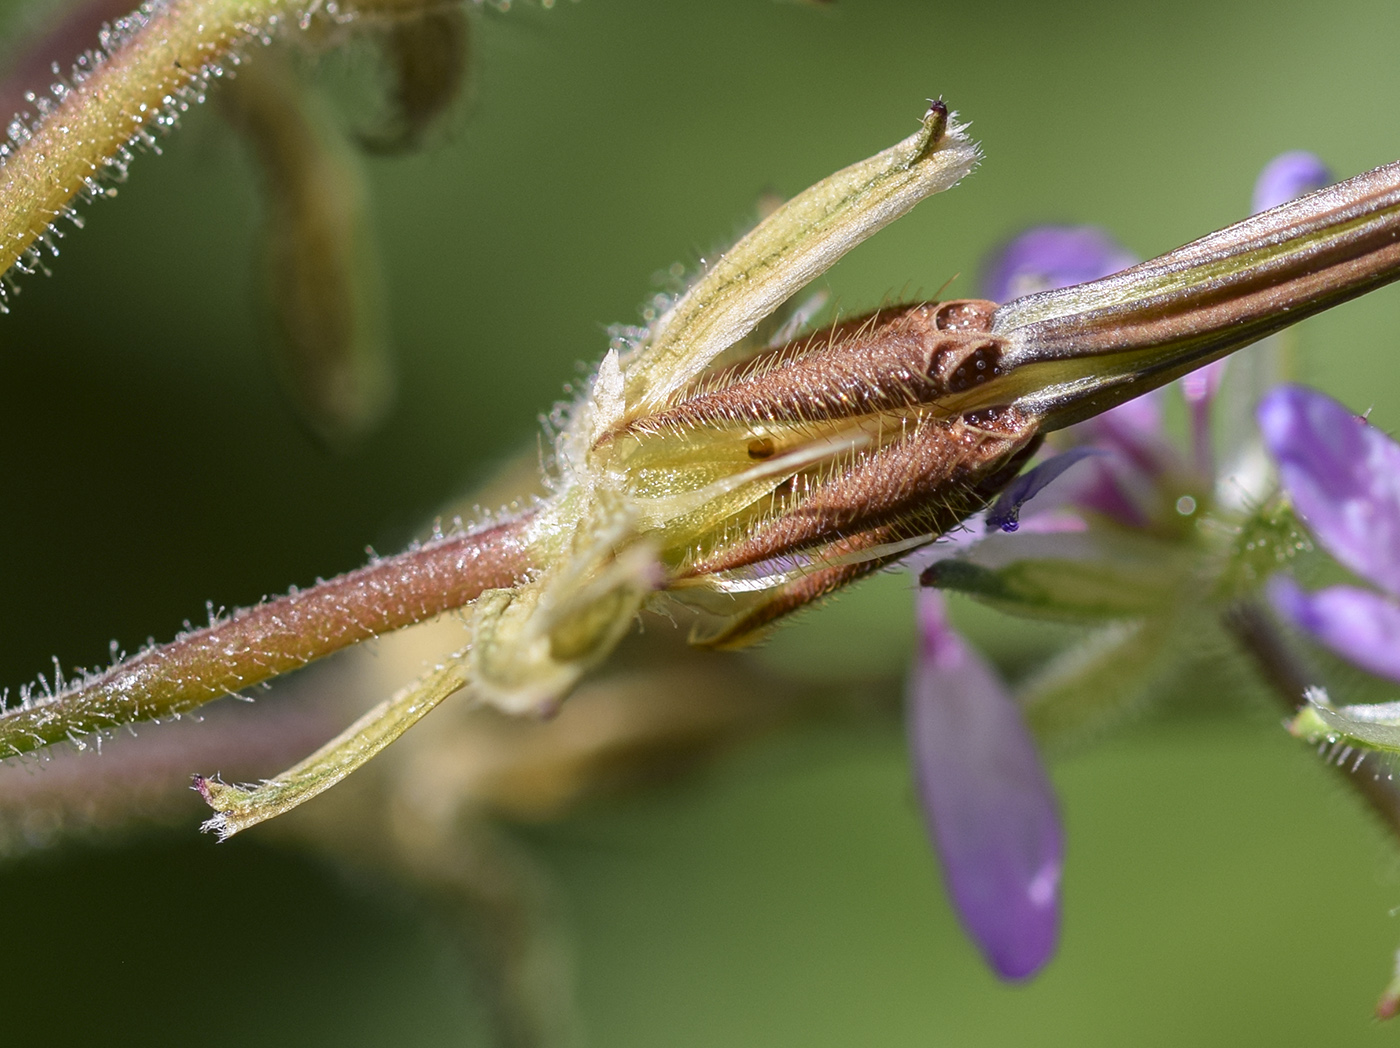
<point>151,66</point>
<point>277,637</point>
<point>1081,350</point>
<point>1288,678</point>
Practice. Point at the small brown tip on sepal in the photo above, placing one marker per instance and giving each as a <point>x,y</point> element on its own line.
<point>935,129</point>
<point>203,786</point>
<point>211,790</point>
<point>936,120</point>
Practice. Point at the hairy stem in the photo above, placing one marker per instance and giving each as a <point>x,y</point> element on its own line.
<point>150,66</point>
<point>68,31</point>
<point>276,637</point>
<point>1288,678</point>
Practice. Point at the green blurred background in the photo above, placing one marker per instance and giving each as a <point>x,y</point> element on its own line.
<point>1221,889</point>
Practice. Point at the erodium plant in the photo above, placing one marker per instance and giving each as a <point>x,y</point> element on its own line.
<point>733,461</point>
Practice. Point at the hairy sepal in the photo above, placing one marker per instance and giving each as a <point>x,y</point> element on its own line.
<point>1372,726</point>
<point>790,248</point>
<point>239,807</point>
<point>1096,683</point>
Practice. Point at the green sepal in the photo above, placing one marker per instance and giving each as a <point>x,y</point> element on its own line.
<point>1374,726</point>
<point>789,249</point>
<point>1088,591</point>
<point>239,807</point>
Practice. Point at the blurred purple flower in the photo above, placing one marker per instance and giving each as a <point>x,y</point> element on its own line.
<point>986,799</point>
<point>1287,176</point>
<point>1050,257</point>
<point>1343,478</point>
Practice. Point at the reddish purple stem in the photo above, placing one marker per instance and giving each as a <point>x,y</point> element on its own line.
<point>276,637</point>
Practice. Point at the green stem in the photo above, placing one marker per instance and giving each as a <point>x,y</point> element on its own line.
<point>151,66</point>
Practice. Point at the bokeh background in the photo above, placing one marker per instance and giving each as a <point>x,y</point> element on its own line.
<point>1221,888</point>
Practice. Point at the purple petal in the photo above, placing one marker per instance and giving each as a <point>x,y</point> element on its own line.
<point>1199,389</point>
<point>1134,429</point>
<point>1006,511</point>
<point>1204,383</point>
<point>1287,176</point>
<point>1049,257</point>
<point>1053,522</point>
<point>986,798</point>
<point>1361,626</point>
<point>1343,477</point>
<point>1123,487</point>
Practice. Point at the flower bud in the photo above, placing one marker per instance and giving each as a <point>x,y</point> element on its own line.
<point>761,479</point>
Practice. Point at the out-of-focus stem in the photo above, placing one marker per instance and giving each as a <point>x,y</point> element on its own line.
<point>1288,678</point>
<point>277,637</point>
<point>149,63</point>
<point>319,263</point>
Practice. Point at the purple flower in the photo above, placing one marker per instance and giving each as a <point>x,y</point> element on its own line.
<point>1050,257</point>
<point>1287,176</point>
<point>986,799</point>
<point>1343,478</point>
<point>1123,486</point>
